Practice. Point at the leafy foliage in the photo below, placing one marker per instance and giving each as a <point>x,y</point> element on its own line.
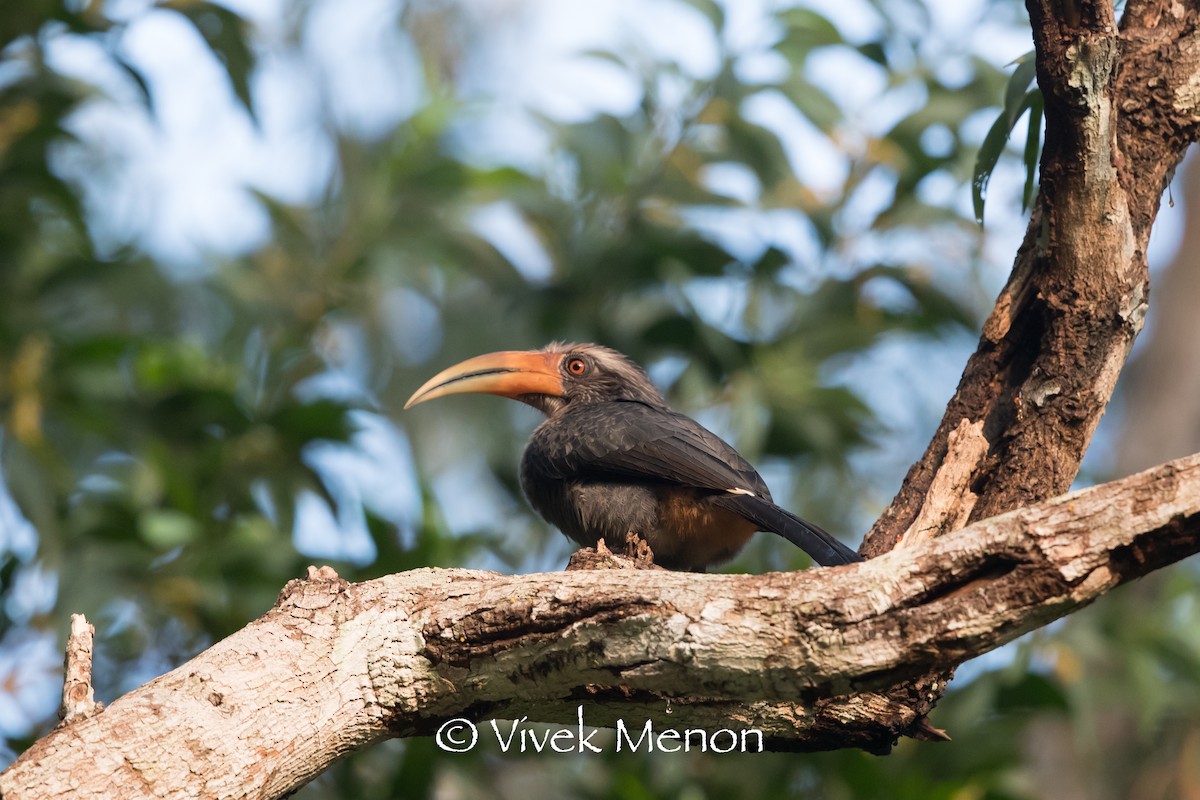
<point>1018,98</point>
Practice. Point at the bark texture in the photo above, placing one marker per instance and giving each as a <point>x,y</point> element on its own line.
<point>1122,106</point>
<point>808,658</point>
<point>78,699</point>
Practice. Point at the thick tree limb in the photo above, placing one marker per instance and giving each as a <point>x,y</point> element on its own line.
<point>806,657</point>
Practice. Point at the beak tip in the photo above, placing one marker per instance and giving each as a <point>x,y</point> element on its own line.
<point>508,374</point>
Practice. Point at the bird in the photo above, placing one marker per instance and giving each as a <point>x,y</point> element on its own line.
<point>612,458</point>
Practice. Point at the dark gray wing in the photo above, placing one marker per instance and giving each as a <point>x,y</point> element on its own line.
<point>634,440</point>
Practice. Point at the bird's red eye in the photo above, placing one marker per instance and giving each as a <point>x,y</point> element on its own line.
<point>577,366</point>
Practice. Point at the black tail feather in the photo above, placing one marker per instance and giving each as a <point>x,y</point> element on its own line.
<point>821,545</point>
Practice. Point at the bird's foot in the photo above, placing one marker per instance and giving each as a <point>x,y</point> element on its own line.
<point>601,557</point>
<point>638,549</point>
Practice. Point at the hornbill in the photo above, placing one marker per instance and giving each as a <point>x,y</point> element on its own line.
<point>613,458</point>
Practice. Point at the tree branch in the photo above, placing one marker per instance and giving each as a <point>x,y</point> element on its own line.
<point>809,658</point>
<point>1121,109</point>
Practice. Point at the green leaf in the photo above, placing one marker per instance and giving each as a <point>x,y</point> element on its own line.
<point>985,162</point>
<point>1033,148</point>
<point>874,51</point>
<point>321,419</point>
<point>225,33</point>
<point>821,109</point>
<point>139,81</point>
<point>164,529</point>
<point>993,147</point>
<point>1016,94</point>
<point>759,149</point>
<point>807,29</point>
<point>1018,98</point>
<point>1032,692</point>
<point>712,10</point>
<point>607,56</point>
<point>771,262</point>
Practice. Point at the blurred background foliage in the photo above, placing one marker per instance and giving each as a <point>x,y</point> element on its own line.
<point>770,208</point>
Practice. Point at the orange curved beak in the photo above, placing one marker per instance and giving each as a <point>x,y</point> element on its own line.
<point>510,373</point>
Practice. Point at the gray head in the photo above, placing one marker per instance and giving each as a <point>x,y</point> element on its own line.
<point>559,376</point>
